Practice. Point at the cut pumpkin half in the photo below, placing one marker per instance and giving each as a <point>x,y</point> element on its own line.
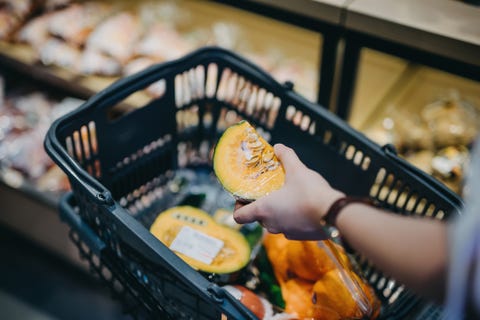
<point>200,241</point>
<point>245,163</point>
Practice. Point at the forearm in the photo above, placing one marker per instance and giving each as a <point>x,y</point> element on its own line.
<point>411,250</point>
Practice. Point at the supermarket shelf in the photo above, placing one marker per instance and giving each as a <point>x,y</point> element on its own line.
<point>407,30</point>
<point>326,11</point>
<point>47,199</point>
<point>438,32</point>
<point>378,75</point>
<point>322,17</point>
<point>441,27</point>
<point>441,34</point>
<point>288,36</point>
<point>415,88</point>
<point>20,59</point>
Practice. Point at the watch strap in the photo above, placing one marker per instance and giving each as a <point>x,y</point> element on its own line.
<point>339,204</point>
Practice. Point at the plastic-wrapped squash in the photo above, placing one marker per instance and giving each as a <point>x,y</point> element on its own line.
<point>343,298</point>
<point>307,260</point>
<point>245,163</point>
<point>322,287</point>
<point>200,241</point>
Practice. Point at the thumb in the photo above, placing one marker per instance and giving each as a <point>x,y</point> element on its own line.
<point>246,213</point>
<point>287,157</point>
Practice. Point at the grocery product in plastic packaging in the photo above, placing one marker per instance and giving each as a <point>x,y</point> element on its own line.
<point>200,241</point>
<point>318,281</point>
<point>245,163</point>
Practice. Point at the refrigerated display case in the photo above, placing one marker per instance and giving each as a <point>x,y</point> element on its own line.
<point>286,50</point>
<point>284,44</point>
<point>403,58</point>
<point>324,17</point>
<point>441,35</point>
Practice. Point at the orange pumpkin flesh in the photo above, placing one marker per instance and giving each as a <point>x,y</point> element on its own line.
<point>245,163</point>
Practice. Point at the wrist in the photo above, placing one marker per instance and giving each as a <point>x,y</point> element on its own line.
<point>331,216</point>
<point>325,205</point>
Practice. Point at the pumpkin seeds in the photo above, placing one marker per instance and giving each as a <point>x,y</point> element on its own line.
<point>272,166</point>
<point>255,145</point>
<point>267,156</point>
<point>252,137</point>
<point>253,161</point>
<point>257,156</point>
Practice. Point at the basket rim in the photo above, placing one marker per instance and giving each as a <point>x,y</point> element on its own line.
<point>127,85</point>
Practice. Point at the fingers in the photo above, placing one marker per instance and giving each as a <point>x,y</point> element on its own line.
<point>253,212</point>
<point>238,205</point>
<point>246,213</point>
<point>287,157</point>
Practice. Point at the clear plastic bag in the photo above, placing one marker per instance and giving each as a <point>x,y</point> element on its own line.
<point>318,282</point>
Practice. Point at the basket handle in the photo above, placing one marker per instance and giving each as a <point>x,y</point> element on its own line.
<point>86,234</point>
<point>86,182</point>
<point>391,152</point>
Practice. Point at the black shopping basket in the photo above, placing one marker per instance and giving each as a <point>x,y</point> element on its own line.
<point>119,163</point>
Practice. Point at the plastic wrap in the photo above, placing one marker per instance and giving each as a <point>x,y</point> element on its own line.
<point>245,163</point>
<point>318,281</point>
<point>452,120</point>
<point>435,139</point>
<point>24,120</point>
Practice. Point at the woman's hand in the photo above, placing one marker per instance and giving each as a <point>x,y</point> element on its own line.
<point>296,209</point>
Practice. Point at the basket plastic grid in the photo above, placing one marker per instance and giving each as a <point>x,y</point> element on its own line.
<point>119,165</point>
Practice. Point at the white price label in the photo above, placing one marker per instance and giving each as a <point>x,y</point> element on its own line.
<point>196,245</point>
